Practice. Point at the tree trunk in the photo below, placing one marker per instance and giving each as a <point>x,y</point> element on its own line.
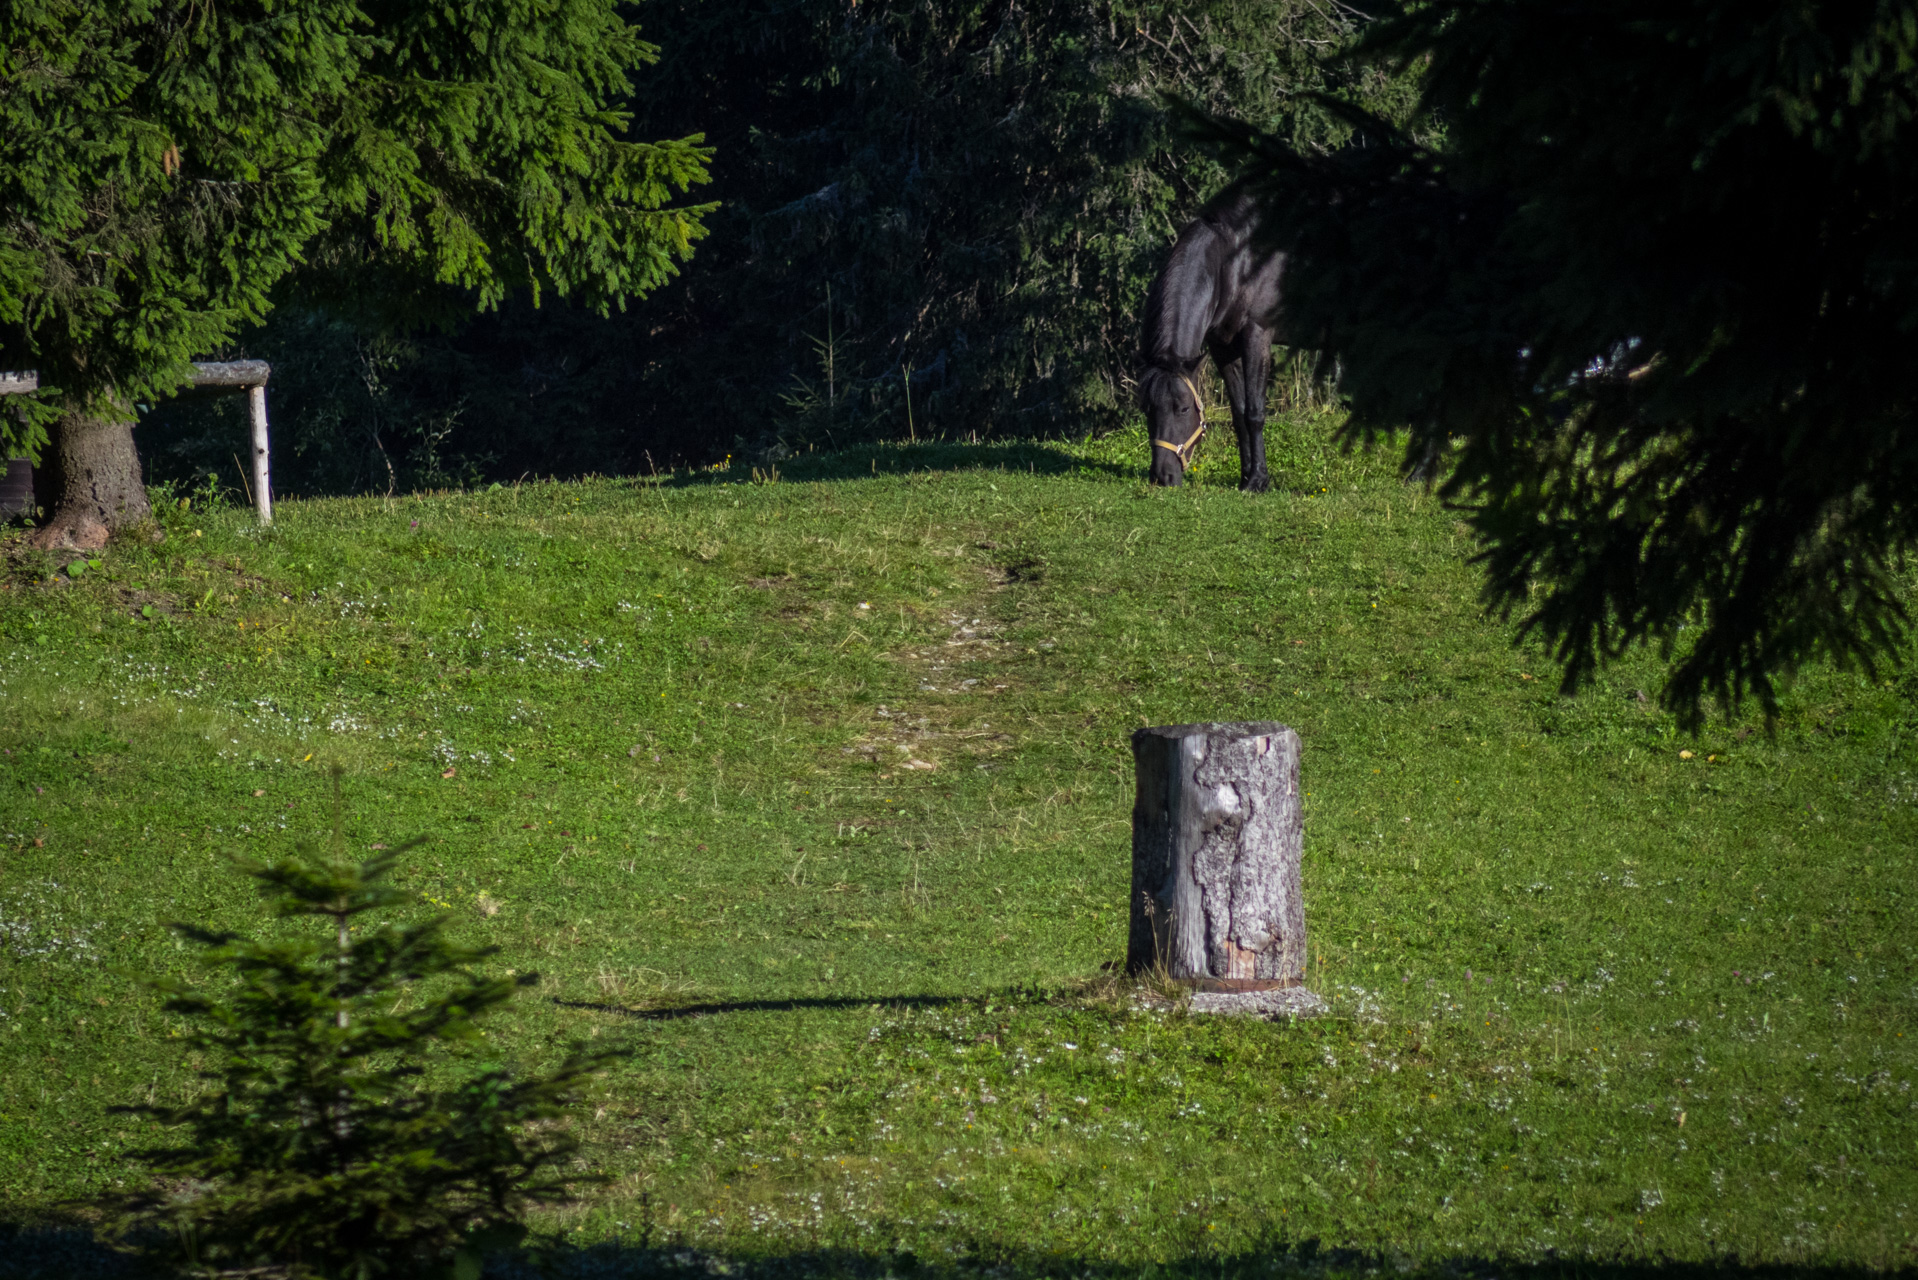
<point>90,482</point>
<point>16,489</point>
<point>1217,834</point>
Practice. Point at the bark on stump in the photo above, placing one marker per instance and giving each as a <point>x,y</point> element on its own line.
<point>1217,834</point>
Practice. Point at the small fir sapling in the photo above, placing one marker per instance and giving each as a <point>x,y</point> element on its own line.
<point>337,1134</point>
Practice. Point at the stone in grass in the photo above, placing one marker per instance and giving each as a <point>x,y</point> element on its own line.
<point>1217,837</point>
<point>1284,1002</point>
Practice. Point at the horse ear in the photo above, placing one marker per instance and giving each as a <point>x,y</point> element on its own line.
<point>1149,382</point>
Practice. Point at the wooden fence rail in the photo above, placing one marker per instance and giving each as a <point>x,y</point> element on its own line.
<point>240,375</point>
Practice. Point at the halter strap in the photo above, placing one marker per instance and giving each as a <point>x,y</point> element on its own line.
<point>1184,452</point>
<point>1196,397</point>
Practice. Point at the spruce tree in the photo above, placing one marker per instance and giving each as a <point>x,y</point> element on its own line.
<point>343,1129</point>
<point>170,170</point>
<point>1656,271</point>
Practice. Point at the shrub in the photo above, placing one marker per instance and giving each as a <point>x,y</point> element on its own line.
<point>337,1134</point>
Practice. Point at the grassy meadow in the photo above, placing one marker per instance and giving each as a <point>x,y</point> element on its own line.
<point>811,798</point>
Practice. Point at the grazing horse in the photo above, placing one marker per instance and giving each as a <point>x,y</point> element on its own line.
<point>1218,293</point>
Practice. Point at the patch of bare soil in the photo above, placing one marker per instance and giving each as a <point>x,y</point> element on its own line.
<point>970,642</point>
<point>927,738</point>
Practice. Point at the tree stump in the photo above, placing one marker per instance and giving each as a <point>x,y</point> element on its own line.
<point>1217,834</point>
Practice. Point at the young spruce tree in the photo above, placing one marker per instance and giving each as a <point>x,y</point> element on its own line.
<point>334,1137</point>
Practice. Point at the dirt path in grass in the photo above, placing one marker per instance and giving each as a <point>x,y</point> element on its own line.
<point>932,729</point>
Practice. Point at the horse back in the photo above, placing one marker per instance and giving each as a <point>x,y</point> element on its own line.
<point>1250,277</point>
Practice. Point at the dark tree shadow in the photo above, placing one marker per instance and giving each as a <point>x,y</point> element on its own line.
<point>1308,1259</point>
<point>53,1246</point>
<point>52,1249</point>
<point>672,1013</point>
<point>863,462</point>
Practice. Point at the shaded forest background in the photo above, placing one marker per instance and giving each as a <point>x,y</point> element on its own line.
<point>938,218</point>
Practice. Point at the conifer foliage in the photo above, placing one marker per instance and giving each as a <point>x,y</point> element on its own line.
<point>967,200</point>
<point>936,219</point>
<point>341,1132</point>
<point>169,170</point>
<point>1659,276</point>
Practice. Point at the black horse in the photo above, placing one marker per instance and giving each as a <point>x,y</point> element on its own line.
<point>1219,293</point>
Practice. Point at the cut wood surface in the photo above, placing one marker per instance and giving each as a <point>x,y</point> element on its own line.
<point>1217,836</point>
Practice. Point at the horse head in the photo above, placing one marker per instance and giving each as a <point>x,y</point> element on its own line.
<point>1175,420</point>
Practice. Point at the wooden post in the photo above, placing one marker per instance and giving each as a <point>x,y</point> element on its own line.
<point>262,482</point>
<point>248,375</point>
<point>1217,835</point>
<point>16,474</point>
<point>251,375</point>
<point>16,487</point>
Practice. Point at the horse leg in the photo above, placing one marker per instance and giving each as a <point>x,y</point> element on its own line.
<point>1430,455</point>
<point>1232,371</point>
<point>1255,364</point>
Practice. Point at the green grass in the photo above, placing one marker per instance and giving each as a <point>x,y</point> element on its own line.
<point>1593,1000</point>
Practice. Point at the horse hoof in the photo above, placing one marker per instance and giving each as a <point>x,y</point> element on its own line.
<point>1255,484</point>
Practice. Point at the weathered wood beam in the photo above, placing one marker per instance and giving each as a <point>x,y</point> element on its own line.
<point>234,373</point>
<point>250,375</point>
<point>247,375</point>
<point>227,373</point>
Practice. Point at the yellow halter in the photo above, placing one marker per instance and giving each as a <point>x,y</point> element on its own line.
<point>1184,452</point>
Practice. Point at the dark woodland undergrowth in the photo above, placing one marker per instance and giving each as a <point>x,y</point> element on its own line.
<point>811,798</point>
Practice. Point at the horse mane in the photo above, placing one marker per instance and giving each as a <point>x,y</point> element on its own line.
<point>1222,227</point>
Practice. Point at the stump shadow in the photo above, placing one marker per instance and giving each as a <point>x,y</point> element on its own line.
<point>791,1004</point>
